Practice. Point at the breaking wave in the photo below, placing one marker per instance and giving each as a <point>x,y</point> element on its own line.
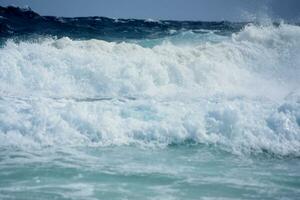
<point>239,92</point>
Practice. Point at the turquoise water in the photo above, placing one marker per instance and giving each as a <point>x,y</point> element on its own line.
<point>178,172</point>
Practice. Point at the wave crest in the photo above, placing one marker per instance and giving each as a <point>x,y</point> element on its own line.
<point>241,93</point>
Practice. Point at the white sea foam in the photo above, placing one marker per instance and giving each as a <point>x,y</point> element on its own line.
<point>241,93</point>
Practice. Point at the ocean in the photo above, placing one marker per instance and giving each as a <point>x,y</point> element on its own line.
<point>100,108</point>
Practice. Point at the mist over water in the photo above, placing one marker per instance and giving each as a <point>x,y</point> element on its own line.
<point>88,115</point>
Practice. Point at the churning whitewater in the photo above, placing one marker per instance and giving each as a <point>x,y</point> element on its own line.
<point>239,92</point>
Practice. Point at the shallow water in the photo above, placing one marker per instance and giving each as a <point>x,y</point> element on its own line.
<point>176,172</point>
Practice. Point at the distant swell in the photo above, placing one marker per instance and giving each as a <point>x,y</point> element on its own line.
<point>16,22</point>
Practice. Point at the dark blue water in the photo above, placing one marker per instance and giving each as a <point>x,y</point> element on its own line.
<point>16,22</point>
